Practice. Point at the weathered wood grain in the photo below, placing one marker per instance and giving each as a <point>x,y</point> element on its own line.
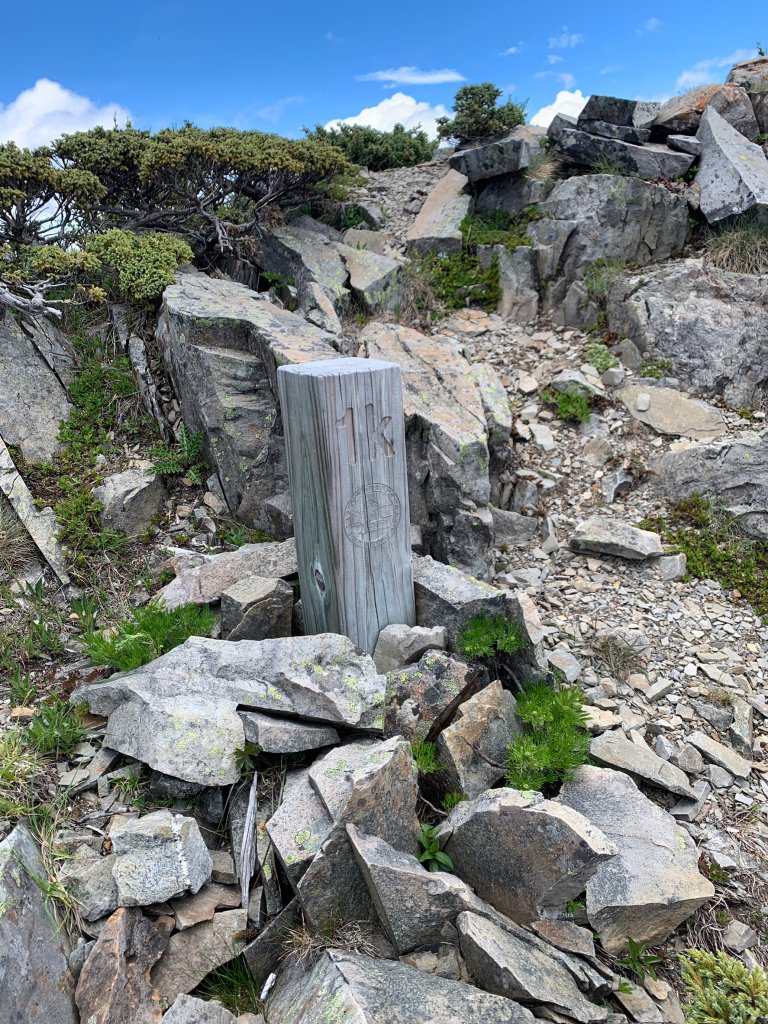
<point>345,442</point>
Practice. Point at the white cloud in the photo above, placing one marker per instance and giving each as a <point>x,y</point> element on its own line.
<point>565,103</point>
<point>412,76</point>
<point>331,38</point>
<point>565,39</point>
<point>651,25</point>
<point>274,111</point>
<point>610,69</point>
<point>553,58</point>
<point>707,71</point>
<point>511,50</point>
<point>397,109</point>
<point>39,115</point>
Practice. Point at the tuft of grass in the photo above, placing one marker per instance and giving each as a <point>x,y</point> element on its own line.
<point>149,632</point>
<point>486,636</point>
<point>606,164</point>
<point>554,745</point>
<point>715,549</point>
<point>741,247</point>
<point>571,405</point>
<point>236,534</point>
<point>451,800</point>
<point>16,546</point>
<point>233,986</point>
<point>616,657</point>
<point>55,727</point>
<point>304,943</point>
<point>721,990</point>
<point>600,275</point>
<point>655,368</point>
<point>425,756</point>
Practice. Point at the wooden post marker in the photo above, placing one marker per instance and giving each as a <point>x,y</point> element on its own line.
<point>345,439</point>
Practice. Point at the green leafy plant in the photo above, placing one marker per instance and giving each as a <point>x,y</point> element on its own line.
<point>721,990</point>
<point>478,115</point>
<point>741,246</point>
<point>377,150</point>
<point>151,631</point>
<point>451,800</point>
<point>655,368</point>
<point>625,987</point>
<point>182,459</point>
<point>600,356</point>
<point>432,856</point>
<point>638,961</point>
<point>461,280</point>
<point>246,758</point>
<point>425,756</point>
<point>715,549</point>
<point>486,636</point>
<point>554,744</point>
<point>572,405</point>
<point>55,727</point>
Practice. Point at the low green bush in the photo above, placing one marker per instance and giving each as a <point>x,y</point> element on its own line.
<point>721,990</point>
<point>554,744</point>
<point>497,227</point>
<point>377,150</point>
<point>486,636</point>
<point>600,356</point>
<point>572,405</point>
<point>142,266</point>
<point>149,632</point>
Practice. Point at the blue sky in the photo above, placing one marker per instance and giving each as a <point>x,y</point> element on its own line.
<point>295,64</point>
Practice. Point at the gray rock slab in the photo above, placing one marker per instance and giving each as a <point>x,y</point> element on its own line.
<point>206,583</point>
<point>221,344</point>
<point>472,749</point>
<point>512,529</point>
<point>600,535</point>
<point>412,903</point>
<point>299,826</point>
<point>618,751</point>
<point>521,853</point>
<point>157,857</point>
<point>437,226</point>
<point>709,322</point>
<point>178,714</point>
<point>518,280</point>
<point>733,176</point>
<point>512,152</point>
<point>349,986</point>
<point>36,365</point>
<point>190,1010</point>
<point>614,110</point>
<point>202,905</point>
<point>87,876</point>
<point>285,736</point>
<point>651,161</point>
<point>400,645</point>
<point>682,114</point>
<point>374,280</point>
<point>131,500</point>
<point>420,697</point>
<point>496,408</point>
<point>509,961</point>
<point>685,144</point>
<point>653,884</point>
<point>668,411</point>
<point>197,951</point>
<point>374,787</point>
<point>721,755</point>
<point>266,953</point>
<point>40,524</point>
<point>734,472</point>
<point>256,608</point>
<point>626,133</point>
<point>36,985</point>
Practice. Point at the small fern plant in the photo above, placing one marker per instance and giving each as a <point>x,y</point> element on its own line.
<point>185,458</point>
<point>554,744</point>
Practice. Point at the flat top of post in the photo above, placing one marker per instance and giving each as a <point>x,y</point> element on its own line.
<point>337,367</point>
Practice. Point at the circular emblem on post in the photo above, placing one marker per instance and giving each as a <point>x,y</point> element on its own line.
<point>371,515</point>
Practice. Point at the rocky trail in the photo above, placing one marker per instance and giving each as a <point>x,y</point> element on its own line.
<point>545,800</point>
